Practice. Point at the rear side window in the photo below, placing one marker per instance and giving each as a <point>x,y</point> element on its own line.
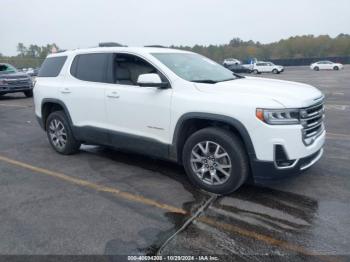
<point>90,67</point>
<point>52,66</point>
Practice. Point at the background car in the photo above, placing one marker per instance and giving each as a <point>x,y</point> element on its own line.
<point>237,68</point>
<point>13,81</point>
<point>326,65</point>
<point>231,61</point>
<point>267,67</point>
<point>32,72</point>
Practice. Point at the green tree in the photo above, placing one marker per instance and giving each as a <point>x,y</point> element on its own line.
<point>21,49</point>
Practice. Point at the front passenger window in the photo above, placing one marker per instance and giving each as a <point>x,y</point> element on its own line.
<point>127,69</point>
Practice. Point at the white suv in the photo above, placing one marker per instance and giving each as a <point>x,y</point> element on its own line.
<point>231,61</point>
<point>177,105</point>
<point>267,67</point>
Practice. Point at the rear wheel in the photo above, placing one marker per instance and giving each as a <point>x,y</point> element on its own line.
<point>60,134</point>
<point>28,93</point>
<point>215,160</point>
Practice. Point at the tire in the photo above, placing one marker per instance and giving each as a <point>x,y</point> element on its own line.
<point>28,93</point>
<point>316,68</point>
<point>275,71</point>
<point>63,143</point>
<point>236,157</point>
<point>335,68</point>
<point>255,71</point>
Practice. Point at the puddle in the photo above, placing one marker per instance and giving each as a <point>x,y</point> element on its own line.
<point>266,210</point>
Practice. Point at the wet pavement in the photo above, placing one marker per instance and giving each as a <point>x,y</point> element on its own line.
<point>101,201</point>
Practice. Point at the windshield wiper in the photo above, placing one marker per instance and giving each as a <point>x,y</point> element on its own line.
<point>206,81</point>
<point>229,79</point>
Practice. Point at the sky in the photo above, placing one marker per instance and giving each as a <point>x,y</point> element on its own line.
<point>84,23</point>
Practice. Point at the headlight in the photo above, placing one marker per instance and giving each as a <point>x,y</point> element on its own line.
<point>278,116</point>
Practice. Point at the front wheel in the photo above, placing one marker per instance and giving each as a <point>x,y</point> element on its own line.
<point>275,71</point>
<point>316,68</point>
<point>255,71</point>
<point>215,160</point>
<point>60,134</point>
<point>336,68</point>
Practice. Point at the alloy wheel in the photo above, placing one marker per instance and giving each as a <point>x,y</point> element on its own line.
<point>211,163</point>
<point>58,134</point>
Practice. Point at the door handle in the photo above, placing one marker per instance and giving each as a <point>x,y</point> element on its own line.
<point>66,90</point>
<point>113,94</point>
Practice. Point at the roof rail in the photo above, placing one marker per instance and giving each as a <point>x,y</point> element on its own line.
<point>109,44</point>
<point>159,46</point>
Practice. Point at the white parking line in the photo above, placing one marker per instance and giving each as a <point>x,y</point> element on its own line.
<point>334,136</point>
<point>337,107</point>
<point>12,105</point>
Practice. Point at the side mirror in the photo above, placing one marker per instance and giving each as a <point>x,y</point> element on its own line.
<point>151,80</point>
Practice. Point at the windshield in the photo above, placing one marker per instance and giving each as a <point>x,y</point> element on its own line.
<point>194,67</point>
<point>7,69</point>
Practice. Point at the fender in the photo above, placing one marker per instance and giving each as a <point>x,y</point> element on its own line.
<point>59,102</point>
<point>214,117</point>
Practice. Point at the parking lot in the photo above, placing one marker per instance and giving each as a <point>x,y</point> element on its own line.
<point>102,201</point>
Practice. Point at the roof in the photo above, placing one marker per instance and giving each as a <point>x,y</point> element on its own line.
<point>139,50</point>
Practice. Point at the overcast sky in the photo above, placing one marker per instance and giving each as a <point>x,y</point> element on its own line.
<point>84,23</point>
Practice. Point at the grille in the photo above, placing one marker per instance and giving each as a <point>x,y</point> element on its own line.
<point>17,82</point>
<point>312,121</point>
<point>15,77</point>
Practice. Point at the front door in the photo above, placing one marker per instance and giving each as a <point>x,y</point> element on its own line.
<point>138,117</point>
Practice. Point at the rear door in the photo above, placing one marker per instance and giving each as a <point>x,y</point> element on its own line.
<point>269,67</point>
<point>83,92</point>
<point>329,65</point>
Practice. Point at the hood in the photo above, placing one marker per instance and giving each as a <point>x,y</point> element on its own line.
<point>288,94</point>
<point>16,75</point>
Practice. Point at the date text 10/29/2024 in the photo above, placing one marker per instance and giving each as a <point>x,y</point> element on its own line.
<point>173,258</point>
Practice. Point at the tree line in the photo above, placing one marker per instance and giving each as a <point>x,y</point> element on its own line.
<point>29,56</point>
<point>306,46</point>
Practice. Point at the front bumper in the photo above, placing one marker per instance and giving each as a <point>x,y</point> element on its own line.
<point>267,171</point>
<point>14,89</point>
